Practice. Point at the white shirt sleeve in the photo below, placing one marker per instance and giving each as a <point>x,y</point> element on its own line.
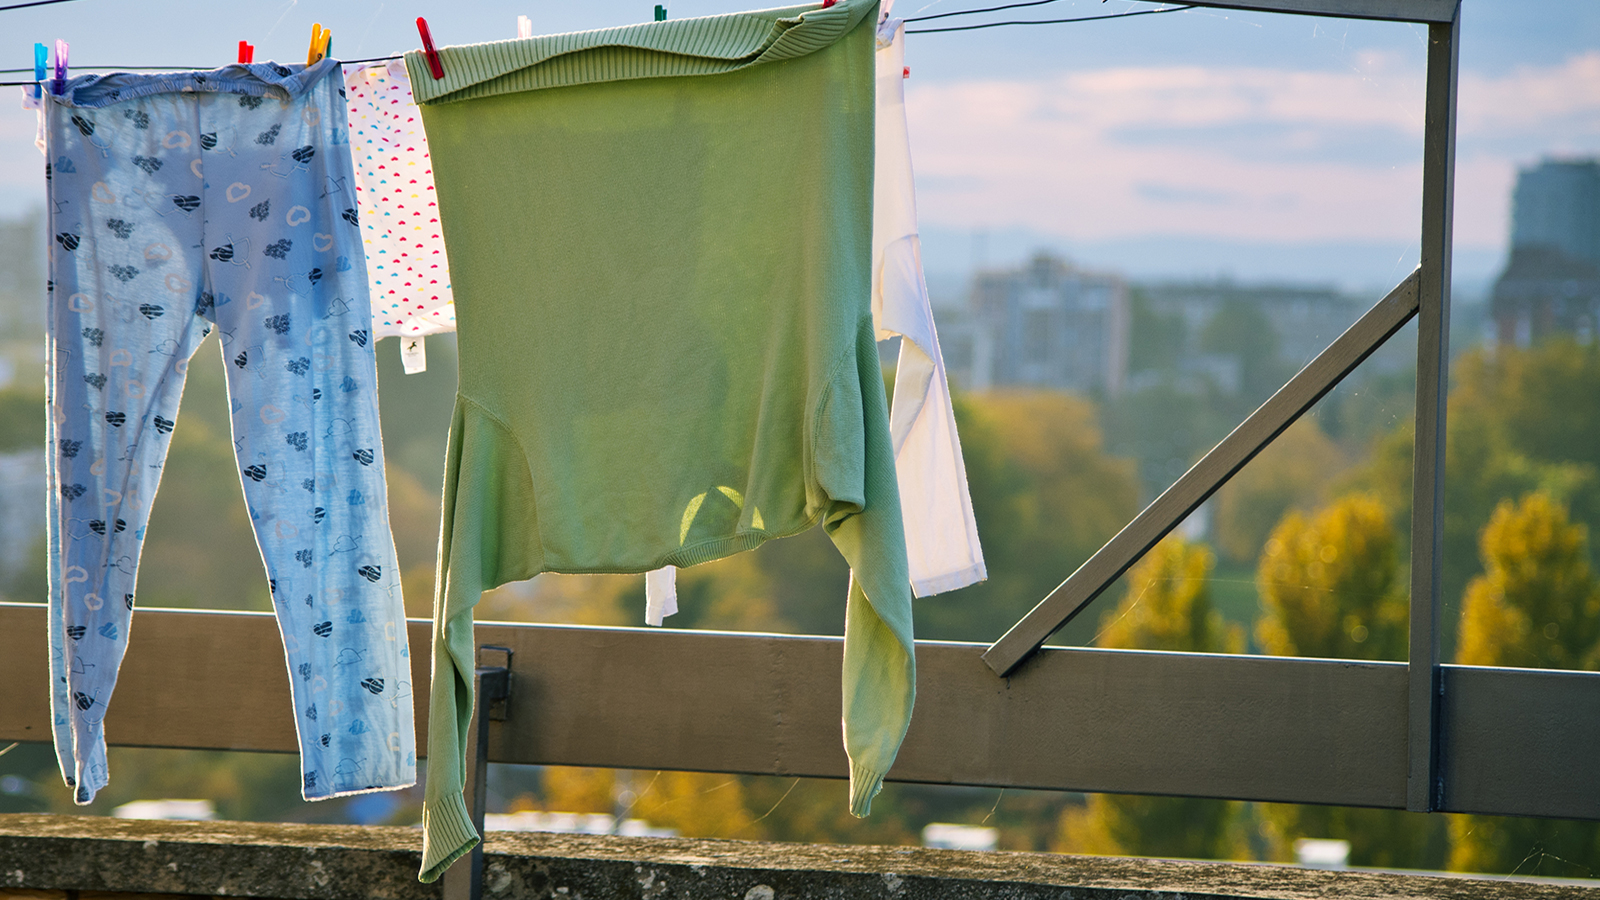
<point>941,533</point>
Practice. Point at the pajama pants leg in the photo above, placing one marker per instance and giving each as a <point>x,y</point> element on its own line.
<point>179,203</point>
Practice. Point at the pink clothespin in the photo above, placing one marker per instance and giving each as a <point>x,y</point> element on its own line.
<point>61,65</point>
<point>435,66</point>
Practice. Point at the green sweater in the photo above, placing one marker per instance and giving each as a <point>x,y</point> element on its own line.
<point>666,342</point>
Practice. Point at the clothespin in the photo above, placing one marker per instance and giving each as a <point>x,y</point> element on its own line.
<point>41,61</point>
<point>247,52</point>
<point>435,66</point>
<point>906,72</point>
<point>661,13</point>
<point>828,3</point>
<point>321,42</point>
<point>524,27</point>
<point>61,65</point>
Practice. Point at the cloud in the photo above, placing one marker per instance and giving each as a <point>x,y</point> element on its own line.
<point>1236,152</point>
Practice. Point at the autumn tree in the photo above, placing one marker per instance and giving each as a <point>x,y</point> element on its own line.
<point>1330,587</point>
<point>1166,607</point>
<point>1295,470</point>
<point>1329,584</point>
<point>1045,494</point>
<point>1536,604</point>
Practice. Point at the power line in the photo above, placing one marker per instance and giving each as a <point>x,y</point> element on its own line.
<point>1139,12</point>
<point>973,12</point>
<point>34,3</point>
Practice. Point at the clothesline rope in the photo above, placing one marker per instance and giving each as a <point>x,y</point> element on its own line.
<point>1124,15</point>
<point>959,12</point>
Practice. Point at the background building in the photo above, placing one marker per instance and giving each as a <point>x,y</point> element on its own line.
<point>1551,282</point>
<point>1046,324</point>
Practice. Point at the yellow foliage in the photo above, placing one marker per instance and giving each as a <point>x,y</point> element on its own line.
<point>1167,606</point>
<point>1294,470</point>
<point>1329,585</point>
<point>579,790</point>
<point>1128,825</point>
<point>1537,602</point>
<point>697,804</point>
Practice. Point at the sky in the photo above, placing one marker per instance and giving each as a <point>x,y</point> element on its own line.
<point>1201,143</point>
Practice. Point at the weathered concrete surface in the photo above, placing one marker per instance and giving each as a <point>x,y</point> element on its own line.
<point>236,859</point>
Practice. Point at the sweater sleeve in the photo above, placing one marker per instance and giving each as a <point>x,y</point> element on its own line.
<point>854,466</point>
<point>485,539</point>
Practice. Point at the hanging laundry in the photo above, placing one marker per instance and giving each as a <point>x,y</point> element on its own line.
<point>941,533</point>
<point>406,259</point>
<point>666,345</point>
<point>184,202</point>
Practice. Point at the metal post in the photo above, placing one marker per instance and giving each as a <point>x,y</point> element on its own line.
<point>1425,781</point>
<point>464,879</point>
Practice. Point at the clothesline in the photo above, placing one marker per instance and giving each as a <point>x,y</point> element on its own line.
<point>961,12</point>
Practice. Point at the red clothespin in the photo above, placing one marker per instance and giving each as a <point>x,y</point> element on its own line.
<point>435,67</point>
<point>906,72</point>
<point>247,52</point>
<point>828,3</point>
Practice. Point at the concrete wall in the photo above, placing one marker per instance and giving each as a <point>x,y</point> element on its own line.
<point>69,857</point>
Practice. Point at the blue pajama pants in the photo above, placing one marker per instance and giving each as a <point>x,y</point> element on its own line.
<point>223,199</point>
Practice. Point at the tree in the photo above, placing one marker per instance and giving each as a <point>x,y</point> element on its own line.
<point>1536,604</point>
<point>1294,470</point>
<point>1520,420</point>
<point>1329,586</point>
<point>1166,607</point>
<point>1045,494</point>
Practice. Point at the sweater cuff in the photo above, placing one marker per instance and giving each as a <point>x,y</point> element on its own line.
<point>864,785</point>
<point>447,834</point>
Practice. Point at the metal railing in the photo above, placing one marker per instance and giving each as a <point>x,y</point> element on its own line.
<point>1417,735</point>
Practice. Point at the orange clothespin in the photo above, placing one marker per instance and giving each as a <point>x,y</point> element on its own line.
<point>321,40</point>
<point>435,65</point>
<point>247,52</point>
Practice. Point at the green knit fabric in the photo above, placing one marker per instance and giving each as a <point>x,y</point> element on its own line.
<point>705,46</point>
<point>665,334</point>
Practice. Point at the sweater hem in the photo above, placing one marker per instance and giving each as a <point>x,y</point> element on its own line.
<point>864,785</point>
<point>447,835</point>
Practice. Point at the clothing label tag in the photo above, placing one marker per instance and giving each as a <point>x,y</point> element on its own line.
<point>413,356</point>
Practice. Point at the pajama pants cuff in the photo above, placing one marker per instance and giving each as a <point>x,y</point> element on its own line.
<point>447,834</point>
<point>864,785</point>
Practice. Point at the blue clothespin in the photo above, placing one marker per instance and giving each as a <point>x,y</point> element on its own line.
<point>41,60</point>
<point>61,65</point>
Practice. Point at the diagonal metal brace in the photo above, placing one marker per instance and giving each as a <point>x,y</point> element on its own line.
<point>1210,473</point>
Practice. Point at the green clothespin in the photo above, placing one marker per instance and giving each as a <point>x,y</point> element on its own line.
<point>661,13</point>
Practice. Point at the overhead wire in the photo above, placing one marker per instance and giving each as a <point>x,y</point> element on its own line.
<point>946,15</point>
<point>1122,15</point>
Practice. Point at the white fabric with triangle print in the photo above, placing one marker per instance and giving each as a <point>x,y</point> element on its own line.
<point>406,262</point>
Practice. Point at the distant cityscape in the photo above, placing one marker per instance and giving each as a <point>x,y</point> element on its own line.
<point>1052,324</point>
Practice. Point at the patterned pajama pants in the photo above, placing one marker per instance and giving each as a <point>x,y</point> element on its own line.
<point>182,203</point>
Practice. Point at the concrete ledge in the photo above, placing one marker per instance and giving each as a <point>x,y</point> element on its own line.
<point>323,862</point>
